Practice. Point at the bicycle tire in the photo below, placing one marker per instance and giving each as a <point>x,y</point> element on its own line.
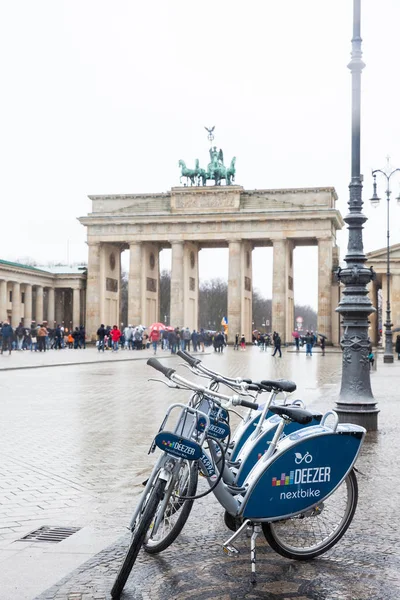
<point>138,536</point>
<point>284,536</point>
<point>175,505</point>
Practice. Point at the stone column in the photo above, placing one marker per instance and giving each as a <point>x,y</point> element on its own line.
<point>279,285</point>
<point>289,310</point>
<point>28,305</point>
<point>325,250</point>
<point>3,300</point>
<point>50,307</point>
<point>135,284</point>
<point>177,308</point>
<point>76,308</point>
<point>191,285</point>
<point>16,304</point>
<point>235,291</point>
<point>246,291</point>
<point>93,292</point>
<point>39,305</point>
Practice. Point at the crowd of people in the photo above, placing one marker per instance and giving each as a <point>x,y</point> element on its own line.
<point>39,337</point>
<point>168,339</point>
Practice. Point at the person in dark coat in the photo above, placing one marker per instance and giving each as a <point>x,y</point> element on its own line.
<point>82,337</point>
<point>398,347</point>
<point>172,341</point>
<point>7,336</point>
<point>277,344</point>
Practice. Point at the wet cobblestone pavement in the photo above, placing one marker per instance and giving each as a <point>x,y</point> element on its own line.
<point>73,451</point>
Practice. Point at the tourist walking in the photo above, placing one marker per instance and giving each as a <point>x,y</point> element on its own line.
<point>128,335</point>
<point>186,335</point>
<point>398,347</point>
<point>322,344</point>
<point>34,331</point>
<point>41,338</point>
<point>201,339</point>
<point>77,339</point>
<point>7,336</point>
<point>195,337</point>
<point>277,344</point>
<point>309,341</point>
<point>243,342</point>
<point>172,341</point>
<point>115,336</point>
<point>19,333</point>
<point>236,344</point>
<point>154,338</point>
<point>82,337</point>
<point>57,338</point>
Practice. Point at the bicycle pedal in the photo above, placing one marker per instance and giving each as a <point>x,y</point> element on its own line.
<point>230,550</point>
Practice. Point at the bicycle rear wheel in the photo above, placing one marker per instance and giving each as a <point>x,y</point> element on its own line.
<point>312,533</point>
<point>138,536</point>
<point>176,511</point>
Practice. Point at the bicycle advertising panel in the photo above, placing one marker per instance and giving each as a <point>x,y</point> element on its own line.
<point>178,446</point>
<point>307,467</point>
<point>250,455</point>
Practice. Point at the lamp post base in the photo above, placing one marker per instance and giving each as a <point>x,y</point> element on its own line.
<point>388,358</point>
<point>365,415</point>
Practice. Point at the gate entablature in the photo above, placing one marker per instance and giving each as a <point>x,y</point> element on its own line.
<point>187,218</point>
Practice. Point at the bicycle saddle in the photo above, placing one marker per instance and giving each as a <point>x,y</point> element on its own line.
<point>299,415</point>
<point>280,385</point>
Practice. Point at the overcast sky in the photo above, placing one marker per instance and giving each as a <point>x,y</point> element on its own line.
<point>105,97</point>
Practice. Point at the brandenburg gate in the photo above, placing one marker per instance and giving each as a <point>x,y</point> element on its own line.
<point>190,218</point>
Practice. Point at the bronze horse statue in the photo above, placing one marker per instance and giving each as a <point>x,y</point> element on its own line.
<point>191,174</point>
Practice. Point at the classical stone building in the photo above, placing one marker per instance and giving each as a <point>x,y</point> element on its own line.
<point>187,219</point>
<point>378,260</point>
<point>51,294</point>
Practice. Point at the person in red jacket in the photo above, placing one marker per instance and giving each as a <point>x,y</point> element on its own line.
<point>154,338</point>
<point>115,335</point>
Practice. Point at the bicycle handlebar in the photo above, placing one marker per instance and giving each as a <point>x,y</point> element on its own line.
<point>193,362</point>
<point>167,371</point>
<point>247,404</point>
<point>171,374</point>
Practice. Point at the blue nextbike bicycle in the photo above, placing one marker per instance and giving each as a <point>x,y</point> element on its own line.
<point>293,480</point>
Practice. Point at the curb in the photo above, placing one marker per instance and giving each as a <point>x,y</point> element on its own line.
<point>91,362</point>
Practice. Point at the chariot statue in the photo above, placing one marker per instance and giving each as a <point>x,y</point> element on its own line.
<point>216,170</point>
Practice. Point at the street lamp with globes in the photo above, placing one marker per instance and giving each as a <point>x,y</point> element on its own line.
<point>387,173</point>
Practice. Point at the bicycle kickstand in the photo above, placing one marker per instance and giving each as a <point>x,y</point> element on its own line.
<point>231,550</point>
<point>228,547</point>
<point>253,552</point>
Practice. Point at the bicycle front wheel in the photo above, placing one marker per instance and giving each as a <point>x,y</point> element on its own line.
<point>175,512</point>
<point>138,537</point>
<point>313,532</point>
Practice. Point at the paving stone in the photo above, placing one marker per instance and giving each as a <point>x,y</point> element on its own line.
<point>80,453</point>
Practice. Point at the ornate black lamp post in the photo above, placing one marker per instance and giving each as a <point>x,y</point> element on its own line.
<point>388,356</point>
<point>356,403</point>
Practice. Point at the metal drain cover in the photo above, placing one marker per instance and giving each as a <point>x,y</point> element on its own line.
<point>49,534</point>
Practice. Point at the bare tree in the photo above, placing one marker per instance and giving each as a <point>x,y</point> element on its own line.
<point>213,302</point>
<point>262,312</point>
<point>123,307</point>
